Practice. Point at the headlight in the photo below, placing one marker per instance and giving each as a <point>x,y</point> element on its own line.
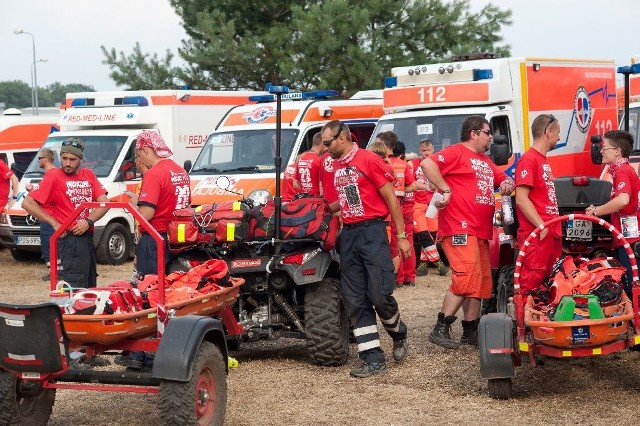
<point>4,220</point>
<point>260,197</point>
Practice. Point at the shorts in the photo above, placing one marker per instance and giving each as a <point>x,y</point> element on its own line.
<point>470,267</point>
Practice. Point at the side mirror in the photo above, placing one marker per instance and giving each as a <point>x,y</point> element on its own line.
<point>596,144</point>
<point>187,165</point>
<point>499,151</point>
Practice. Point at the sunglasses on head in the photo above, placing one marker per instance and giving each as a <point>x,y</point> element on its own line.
<point>552,118</point>
<point>330,141</point>
<point>73,142</point>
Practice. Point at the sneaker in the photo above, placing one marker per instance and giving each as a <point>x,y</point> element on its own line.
<point>98,361</point>
<point>400,349</point>
<point>369,369</point>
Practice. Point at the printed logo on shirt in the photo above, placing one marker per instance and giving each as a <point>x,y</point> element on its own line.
<point>441,158</point>
<point>79,191</point>
<point>621,186</point>
<point>328,164</point>
<point>523,174</point>
<point>346,182</point>
<point>181,182</point>
<point>484,175</point>
<point>552,204</point>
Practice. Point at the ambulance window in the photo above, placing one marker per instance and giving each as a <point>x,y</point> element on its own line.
<point>21,161</point>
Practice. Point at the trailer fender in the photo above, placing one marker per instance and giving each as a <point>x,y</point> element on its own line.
<point>495,338</point>
<point>180,342</point>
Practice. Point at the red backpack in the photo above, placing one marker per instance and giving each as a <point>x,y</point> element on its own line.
<point>307,217</point>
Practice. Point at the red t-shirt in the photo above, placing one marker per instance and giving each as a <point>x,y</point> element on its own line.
<point>59,193</point>
<point>5,184</point>
<point>308,173</point>
<point>625,181</point>
<point>409,197</point>
<point>288,191</point>
<point>533,170</point>
<point>422,196</point>
<point>472,178</point>
<point>327,172</point>
<point>357,185</point>
<point>165,187</point>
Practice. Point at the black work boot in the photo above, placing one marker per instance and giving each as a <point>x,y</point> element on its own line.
<point>470,332</point>
<point>440,333</point>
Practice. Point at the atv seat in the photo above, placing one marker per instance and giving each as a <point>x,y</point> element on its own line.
<point>32,339</point>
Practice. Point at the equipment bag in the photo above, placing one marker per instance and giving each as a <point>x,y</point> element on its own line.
<point>307,217</point>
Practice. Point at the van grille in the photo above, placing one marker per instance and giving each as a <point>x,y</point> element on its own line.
<point>22,221</point>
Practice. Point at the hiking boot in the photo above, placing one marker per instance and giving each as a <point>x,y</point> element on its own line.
<point>442,268</point>
<point>400,349</point>
<point>470,332</point>
<point>422,269</point>
<point>440,333</point>
<point>369,369</point>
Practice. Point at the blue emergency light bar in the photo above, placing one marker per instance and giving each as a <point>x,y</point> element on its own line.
<point>319,94</point>
<point>632,69</point>
<point>478,74</point>
<point>125,100</point>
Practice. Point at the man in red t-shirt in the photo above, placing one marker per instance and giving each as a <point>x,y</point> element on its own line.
<point>8,180</point>
<point>57,196</point>
<point>365,197</point>
<point>465,225</point>
<point>536,203</point>
<point>327,178</point>
<point>308,168</point>
<point>289,181</point>
<point>165,188</point>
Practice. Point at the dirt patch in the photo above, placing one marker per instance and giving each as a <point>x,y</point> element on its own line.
<point>275,385</point>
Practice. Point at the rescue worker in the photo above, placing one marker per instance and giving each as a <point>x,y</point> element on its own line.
<point>8,184</point>
<point>46,161</point>
<point>466,177</point>
<point>365,198</point>
<point>308,168</point>
<point>536,203</point>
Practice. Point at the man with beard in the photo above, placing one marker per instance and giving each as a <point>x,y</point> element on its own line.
<point>536,203</point>
<point>364,186</point>
<point>59,193</point>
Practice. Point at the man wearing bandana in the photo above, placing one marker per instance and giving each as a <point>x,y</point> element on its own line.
<point>364,186</point>
<point>164,189</point>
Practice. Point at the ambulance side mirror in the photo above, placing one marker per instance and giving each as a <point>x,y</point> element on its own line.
<point>499,151</point>
<point>187,166</point>
<point>596,144</point>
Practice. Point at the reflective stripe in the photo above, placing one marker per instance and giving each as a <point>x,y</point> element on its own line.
<point>199,208</point>
<point>391,320</point>
<point>236,206</point>
<point>181,232</point>
<point>394,329</point>
<point>368,345</point>
<point>231,231</point>
<point>370,329</point>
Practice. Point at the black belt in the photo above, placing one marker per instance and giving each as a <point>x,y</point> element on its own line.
<point>363,223</point>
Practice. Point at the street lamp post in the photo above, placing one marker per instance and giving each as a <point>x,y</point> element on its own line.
<point>34,87</point>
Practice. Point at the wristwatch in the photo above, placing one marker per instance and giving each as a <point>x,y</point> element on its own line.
<point>402,235</point>
<point>89,221</point>
<point>446,191</point>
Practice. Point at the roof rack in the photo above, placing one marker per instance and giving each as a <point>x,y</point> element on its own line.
<point>474,56</point>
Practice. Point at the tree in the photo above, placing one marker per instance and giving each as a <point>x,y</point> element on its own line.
<point>342,44</point>
<point>17,94</point>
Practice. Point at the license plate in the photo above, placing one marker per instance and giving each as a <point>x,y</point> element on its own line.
<point>579,230</point>
<point>27,241</point>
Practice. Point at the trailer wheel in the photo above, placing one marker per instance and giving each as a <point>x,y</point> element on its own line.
<point>505,288</point>
<point>115,245</point>
<point>24,402</point>
<point>500,388</point>
<point>326,324</point>
<point>203,399</point>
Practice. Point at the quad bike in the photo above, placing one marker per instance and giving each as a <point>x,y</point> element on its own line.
<point>291,288</point>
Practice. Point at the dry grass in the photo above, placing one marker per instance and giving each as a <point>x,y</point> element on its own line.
<point>275,385</point>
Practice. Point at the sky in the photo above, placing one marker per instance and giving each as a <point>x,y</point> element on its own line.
<point>68,34</point>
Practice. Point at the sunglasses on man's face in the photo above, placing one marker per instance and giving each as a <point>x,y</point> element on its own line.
<point>328,142</point>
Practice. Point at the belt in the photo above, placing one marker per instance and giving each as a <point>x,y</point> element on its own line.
<point>363,223</point>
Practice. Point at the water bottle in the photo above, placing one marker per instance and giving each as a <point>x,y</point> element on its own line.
<point>507,210</point>
<point>432,209</point>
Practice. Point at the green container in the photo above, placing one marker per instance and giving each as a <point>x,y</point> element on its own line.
<point>566,308</point>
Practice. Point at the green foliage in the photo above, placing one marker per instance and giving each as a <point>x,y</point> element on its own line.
<point>339,44</point>
<point>17,94</point>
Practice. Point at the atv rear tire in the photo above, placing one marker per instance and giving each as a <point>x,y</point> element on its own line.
<point>203,399</point>
<point>24,402</point>
<point>504,289</point>
<point>500,388</point>
<point>326,324</point>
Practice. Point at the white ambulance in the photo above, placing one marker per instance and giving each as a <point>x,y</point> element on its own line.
<point>242,147</point>
<point>109,123</point>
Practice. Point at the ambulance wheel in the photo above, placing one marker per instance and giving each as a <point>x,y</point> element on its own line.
<point>326,324</point>
<point>203,399</point>
<point>500,388</point>
<point>504,289</point>
<point>24,402</point>
<point>115,245</point>
<point>24,256</point>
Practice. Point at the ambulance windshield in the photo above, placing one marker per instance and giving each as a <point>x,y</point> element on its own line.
<point>246,151</point>
<point>100,153</point>
<point>441,130</point>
